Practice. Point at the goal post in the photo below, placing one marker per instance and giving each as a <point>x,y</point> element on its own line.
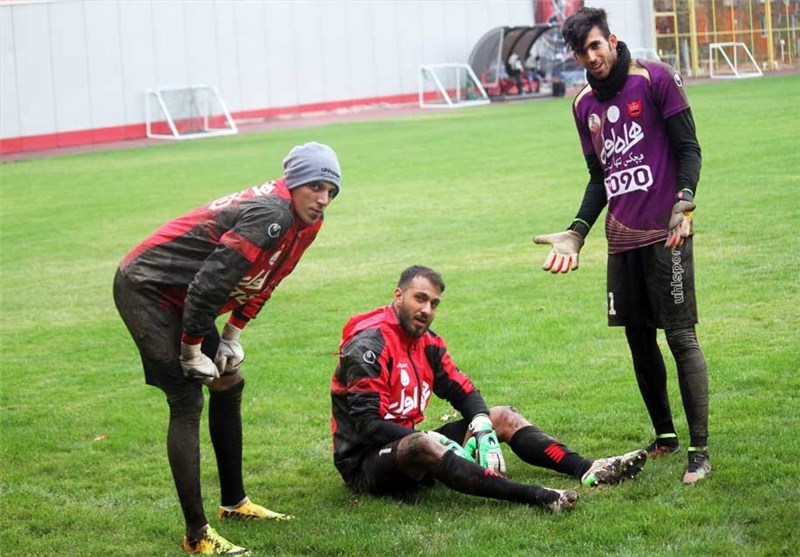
<point>731,60</point>
<point>187,113</point>
<point>450,86</point>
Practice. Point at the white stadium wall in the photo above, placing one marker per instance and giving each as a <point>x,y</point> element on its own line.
<point>76,71</point>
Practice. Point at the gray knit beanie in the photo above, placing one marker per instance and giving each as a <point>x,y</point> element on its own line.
<point>311,162</point>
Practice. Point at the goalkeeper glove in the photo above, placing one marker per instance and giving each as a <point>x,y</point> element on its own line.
<point>230,354</point>
<point>450,445</point>
<point>196,365</point>
<point>484,446</point>
<point>563,257</point>
<point>680,220</point>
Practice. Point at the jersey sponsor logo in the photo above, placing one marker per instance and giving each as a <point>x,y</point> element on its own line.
<point>635,108</point>
<point>638,178</point>
<point>409,399</point>
<point>621,144</point>
<point>249,287</point>
<point>677,78</point>
<point>274,230</point>
<point>677,278</point>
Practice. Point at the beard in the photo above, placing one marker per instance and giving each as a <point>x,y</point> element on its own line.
<point>412,329</point>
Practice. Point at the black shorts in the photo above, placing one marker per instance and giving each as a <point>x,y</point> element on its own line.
<point>652,286</point>
<point>157,334</point>
<point>379,474</point>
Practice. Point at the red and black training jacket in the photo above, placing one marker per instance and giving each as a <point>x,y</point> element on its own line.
<point>226,256</point>
<point>383,384</point>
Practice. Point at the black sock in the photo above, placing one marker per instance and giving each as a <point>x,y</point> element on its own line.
<point>467,477</point>
<point>536,447</point>
<point>693,382</point>
<point>183,451</point>
<point>651,376</point>
<point>225,426</point>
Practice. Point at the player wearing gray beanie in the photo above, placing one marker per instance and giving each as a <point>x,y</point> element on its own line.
<point>311,162</point>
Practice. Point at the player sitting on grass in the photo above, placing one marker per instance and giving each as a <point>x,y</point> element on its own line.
<point>390,363</point>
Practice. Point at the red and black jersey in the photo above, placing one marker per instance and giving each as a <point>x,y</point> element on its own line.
<point>383,383</point>
<point>226,256</point>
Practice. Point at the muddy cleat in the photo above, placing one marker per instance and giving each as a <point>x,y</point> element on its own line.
<point>664,444</point>
<point>251,511</point>
<point>211,543</point>
<point>614,469</point>
<point>699,465</point>
<point>567,499</point>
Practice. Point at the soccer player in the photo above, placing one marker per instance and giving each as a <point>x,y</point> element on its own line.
<point>390,363</point>
<point>638,137</point>
<point>227,256</point>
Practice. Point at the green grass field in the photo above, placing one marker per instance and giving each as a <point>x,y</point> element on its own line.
<point>84,470</point>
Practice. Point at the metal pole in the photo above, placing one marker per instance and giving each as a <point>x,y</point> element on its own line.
<point>768,17</point>
<point>693,39</point>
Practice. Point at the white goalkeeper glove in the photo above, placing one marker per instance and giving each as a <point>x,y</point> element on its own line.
<point>450,445</point>
<point>563,257</point>
<point>680,223</point>
<point>484,446</point>
<point>196,365</point>
<point>230,353</point>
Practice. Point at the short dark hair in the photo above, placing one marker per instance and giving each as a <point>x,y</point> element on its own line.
<point>420,271</point>
<point>577,26</point>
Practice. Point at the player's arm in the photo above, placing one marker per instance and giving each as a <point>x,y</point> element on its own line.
<point>683,139</point>
<point>566,246</point>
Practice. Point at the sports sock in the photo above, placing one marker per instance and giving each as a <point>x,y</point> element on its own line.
<point>539,449</point>
<point>467,477</point>
<point>183,451</point>
<point>651,376</point>
<point>225,427</point>
<point>693,381</point>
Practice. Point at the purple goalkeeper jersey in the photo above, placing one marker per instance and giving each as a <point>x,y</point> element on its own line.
<point>629,136</point>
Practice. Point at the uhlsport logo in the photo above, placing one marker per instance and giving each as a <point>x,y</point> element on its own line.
<point>677,277</point>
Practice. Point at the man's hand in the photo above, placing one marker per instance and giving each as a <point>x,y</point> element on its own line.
<point>564,256</point>
<point>230,353</point>
<point>680,223</point>
<point>450,445</point>
<point>484,446</point>
<point>196,365</point>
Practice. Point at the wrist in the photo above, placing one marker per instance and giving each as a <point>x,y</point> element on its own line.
<point>685,195</point>
<point>480,422</point>
<point>231,332</point>
<point>580,226</point>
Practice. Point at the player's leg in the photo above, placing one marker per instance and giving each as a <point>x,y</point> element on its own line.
<point>678,316</point>
<point>629,306</point>
<point>416,457</point>
<point>157,336</point>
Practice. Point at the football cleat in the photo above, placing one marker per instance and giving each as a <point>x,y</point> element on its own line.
<point>567,499</point>
<point>699,465</point>
<point>211,543</point>
<point>614,469</point>
<point>251,511</point>
<point>665,444</point>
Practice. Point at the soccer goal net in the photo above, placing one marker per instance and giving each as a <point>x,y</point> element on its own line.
<point>450,86</point>
<point>187,113</point>
<point>731,61</point>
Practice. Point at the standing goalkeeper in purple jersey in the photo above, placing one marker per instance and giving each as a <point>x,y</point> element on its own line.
<point>638,137</point>
<point>227,256</point>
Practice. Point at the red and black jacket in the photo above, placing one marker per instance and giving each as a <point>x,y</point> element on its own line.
<point>226,256</point>
<point>383,383</point>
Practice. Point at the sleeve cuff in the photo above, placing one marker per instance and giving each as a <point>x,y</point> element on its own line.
<point>238,322</point>
<point>186,338</point>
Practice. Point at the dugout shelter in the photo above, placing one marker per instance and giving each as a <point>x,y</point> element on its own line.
<point>490,56</point>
